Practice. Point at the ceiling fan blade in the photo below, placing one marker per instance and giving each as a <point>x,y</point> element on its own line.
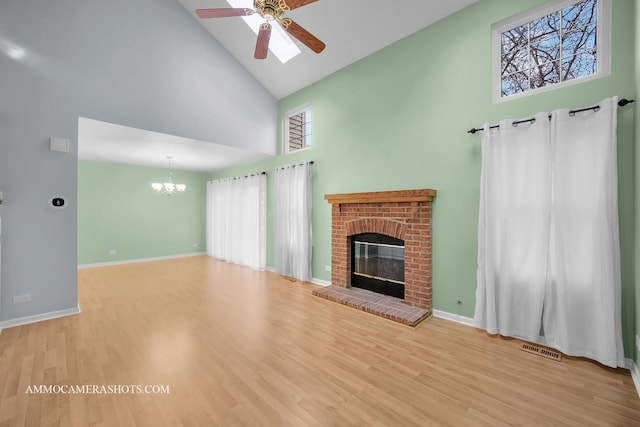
<point>262,44</point>
<point>223,13</point>
<point>308,39</point>
<point>294,4</point>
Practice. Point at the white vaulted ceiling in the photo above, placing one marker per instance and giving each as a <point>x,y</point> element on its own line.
<point>351,29</point>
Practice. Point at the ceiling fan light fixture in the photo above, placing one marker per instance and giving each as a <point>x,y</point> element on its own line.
<point>271,9</point>
<point>280,43</point>
<point>268,11</point>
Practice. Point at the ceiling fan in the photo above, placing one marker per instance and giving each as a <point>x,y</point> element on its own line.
<point>270,10</point>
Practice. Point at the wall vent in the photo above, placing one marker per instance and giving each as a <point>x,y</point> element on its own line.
<point>541,351</point>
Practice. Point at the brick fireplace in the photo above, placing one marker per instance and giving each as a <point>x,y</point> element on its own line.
<point>404,215</point>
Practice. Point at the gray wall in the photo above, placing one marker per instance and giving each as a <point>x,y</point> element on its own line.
<point>142,63</point>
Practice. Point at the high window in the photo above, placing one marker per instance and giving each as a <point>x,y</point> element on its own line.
<point>559,43</point>
<point>297,129</point>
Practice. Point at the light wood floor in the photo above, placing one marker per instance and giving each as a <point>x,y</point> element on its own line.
<point>245,348</point>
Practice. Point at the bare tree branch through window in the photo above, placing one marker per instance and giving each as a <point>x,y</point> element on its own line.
<point>554,48</point>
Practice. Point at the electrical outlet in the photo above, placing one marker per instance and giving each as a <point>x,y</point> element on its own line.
<point>194,245</point>
<point>327,268</point>
<point>19,299</point>
<point>112,252</point>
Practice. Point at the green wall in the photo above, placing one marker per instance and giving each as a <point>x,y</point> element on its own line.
<point>118,210</point>
<point>398,120</point>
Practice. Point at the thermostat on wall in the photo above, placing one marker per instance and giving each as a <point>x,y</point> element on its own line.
<point>59,144</point>
<point>58,202</point>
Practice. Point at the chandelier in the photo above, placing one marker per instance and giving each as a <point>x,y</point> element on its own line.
<point>168,187</point>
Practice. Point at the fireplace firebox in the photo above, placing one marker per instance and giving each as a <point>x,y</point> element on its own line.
<point>377,263</point>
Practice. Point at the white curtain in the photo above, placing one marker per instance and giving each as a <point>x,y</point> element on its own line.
<point>548,249</point>
<point>513,228</point>
<point>582,300</point>
<point>292,221</point>
<point>236,220</point>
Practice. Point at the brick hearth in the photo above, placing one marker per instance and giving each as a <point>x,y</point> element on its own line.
<point>405,215</point>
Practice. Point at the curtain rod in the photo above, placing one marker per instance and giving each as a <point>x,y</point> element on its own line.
<point>238,177</point>
<point>621,103</point>
<point>300,164</point>
<point>253,174</point>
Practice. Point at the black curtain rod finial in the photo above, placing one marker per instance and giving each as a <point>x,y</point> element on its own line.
<point>625,101</point>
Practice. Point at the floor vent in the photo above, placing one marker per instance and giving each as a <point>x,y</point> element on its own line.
<point>541,351</point>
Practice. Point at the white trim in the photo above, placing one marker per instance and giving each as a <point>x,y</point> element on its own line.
<point>320,282</point>
<point>39,317</point>
<point>313,280</point>
<point>454,318</point>
<point>285,127</point>
<point>298,110</point>
<point>635,374</point>
<point>527,16</point>
<point>603,47</point>
<point>134,261</point>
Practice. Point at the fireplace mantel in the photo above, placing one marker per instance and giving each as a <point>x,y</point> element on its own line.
<point>422,195</point>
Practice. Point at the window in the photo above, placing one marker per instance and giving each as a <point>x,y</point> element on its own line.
<point>560,43</point>
<point>297,129</point>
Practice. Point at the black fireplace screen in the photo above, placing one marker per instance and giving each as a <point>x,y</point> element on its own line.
<point>377,263</point>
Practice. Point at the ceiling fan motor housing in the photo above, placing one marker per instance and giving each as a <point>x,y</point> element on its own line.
<point>271,9</point>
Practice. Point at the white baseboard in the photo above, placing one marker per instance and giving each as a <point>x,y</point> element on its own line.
<point>313,280</point>
<point>38,317</point>
<point>635,374</point>
<point>320,282</point>
<point>454,318</point>
<point>134,261</point>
